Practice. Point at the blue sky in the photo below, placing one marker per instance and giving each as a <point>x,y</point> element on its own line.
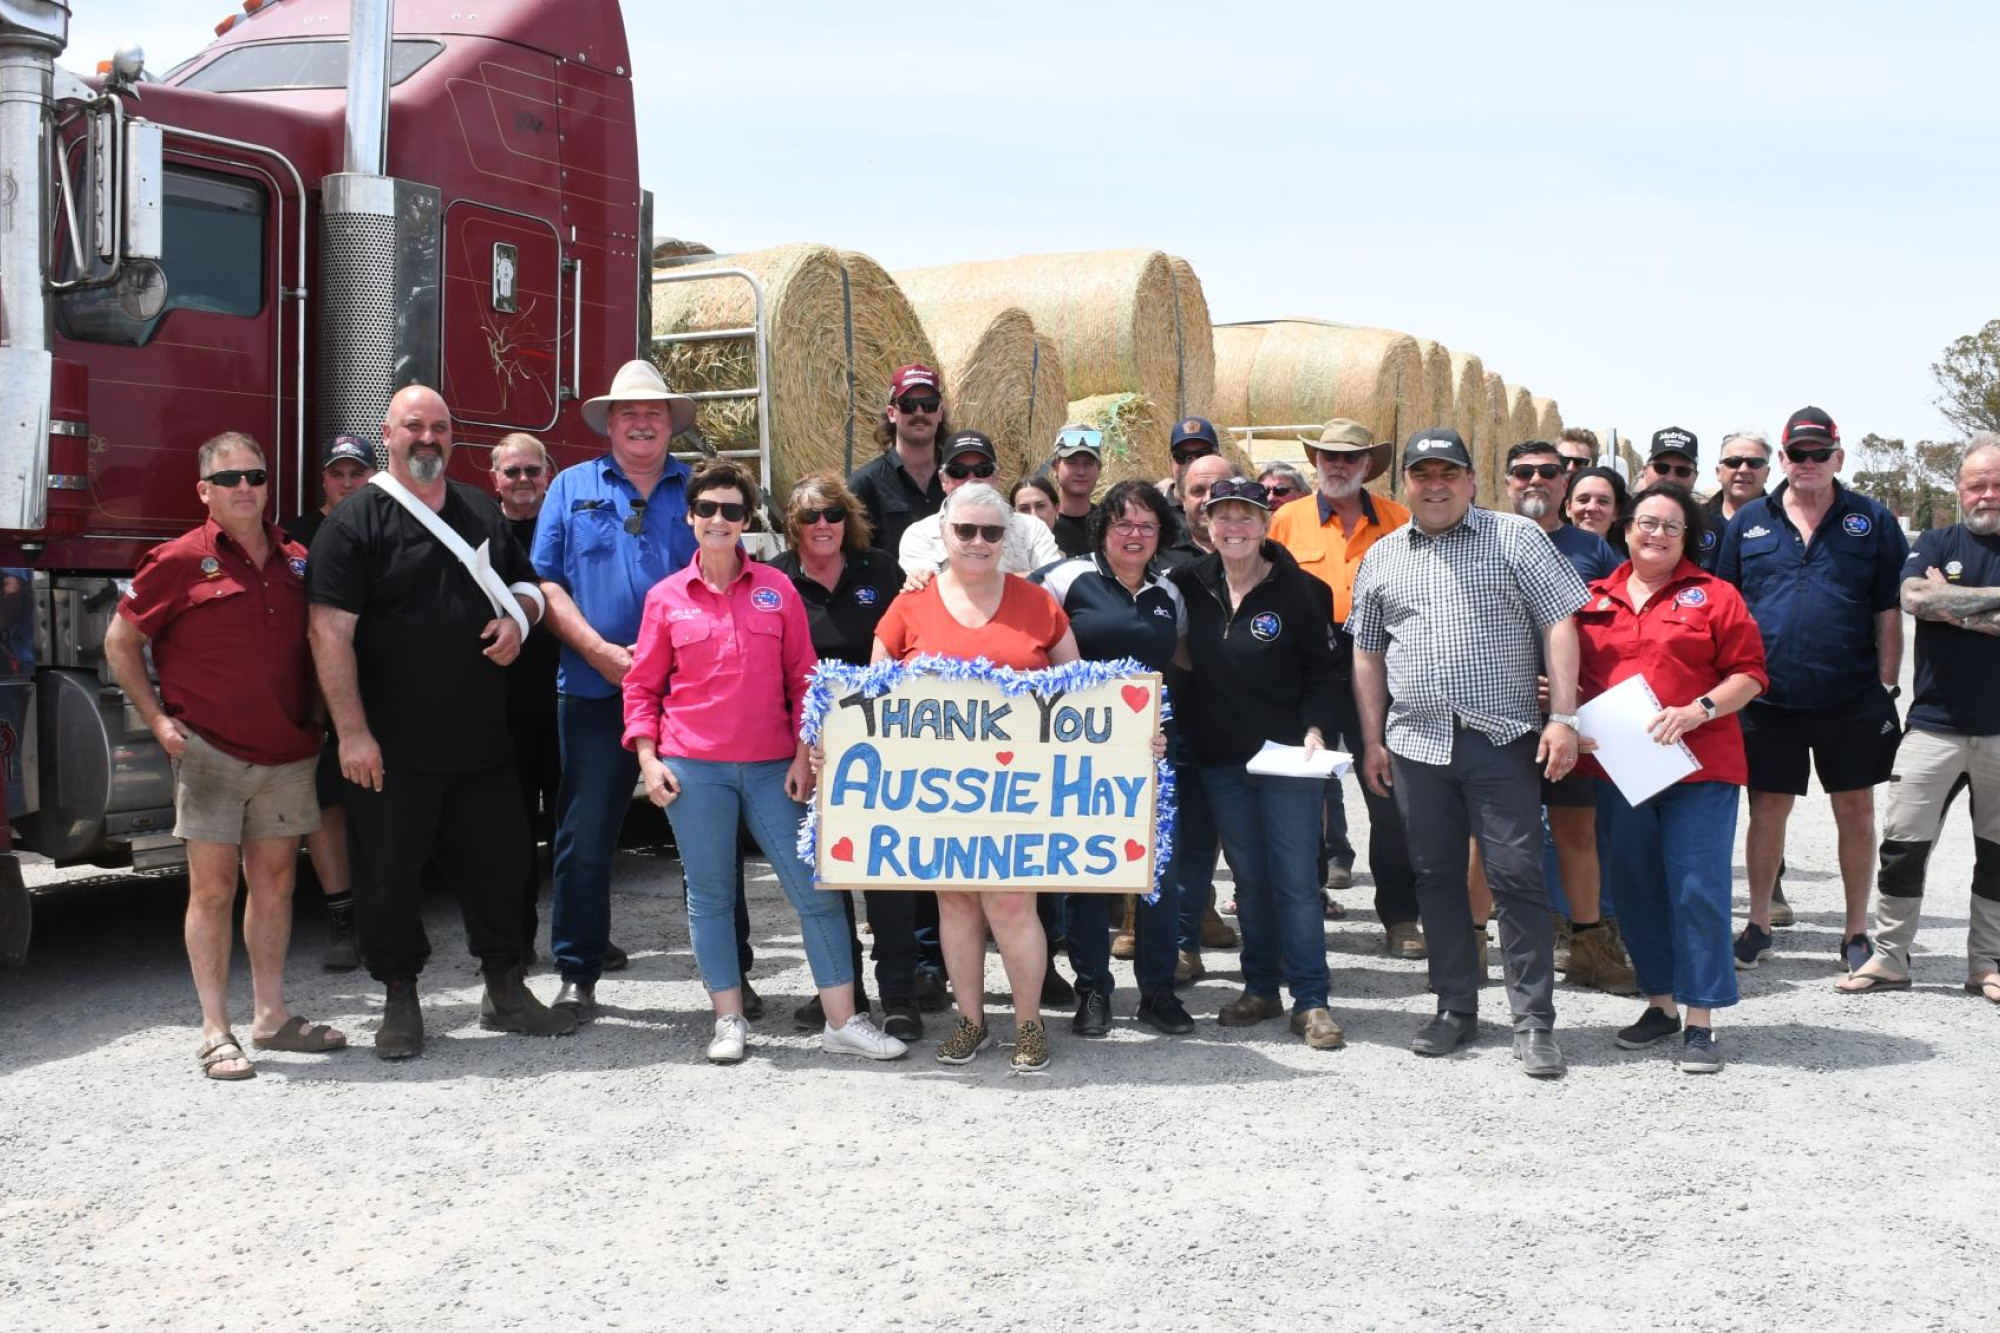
<point>1704,217</point>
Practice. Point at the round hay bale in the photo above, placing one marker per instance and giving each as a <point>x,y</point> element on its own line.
<point>837,329</point>
<point>1113,313</point>
<point>1308,372</point>
<point>1000,377</point>
<point>1437,405</point>
<point>1235,353</point>
<point>1135,436</point>
<point>1548,420</point>
<point>1192,323</point>
<point>1496,438</point>
<point>1521,411</point>
<point>1468,397</point>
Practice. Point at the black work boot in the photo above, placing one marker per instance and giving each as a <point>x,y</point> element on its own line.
<point>341,954</point>
<point>401,1034</point>
<point>509,1006</point>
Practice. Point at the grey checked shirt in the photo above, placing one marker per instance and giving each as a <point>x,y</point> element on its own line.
<point>1459,616</point>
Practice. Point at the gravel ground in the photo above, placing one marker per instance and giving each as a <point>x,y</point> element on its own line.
<point>1230,1179</point>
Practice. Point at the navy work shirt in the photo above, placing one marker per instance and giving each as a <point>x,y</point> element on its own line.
<point>582,547</point>
<point>1958,670</point>
<point>1109,620</point>
<point>1589,553</point>
<point>1816,601</point>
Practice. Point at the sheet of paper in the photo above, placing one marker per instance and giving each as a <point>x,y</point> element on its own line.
<point>1640,765</point>
<point>1290,761</point>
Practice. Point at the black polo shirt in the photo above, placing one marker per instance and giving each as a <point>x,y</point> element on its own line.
<point>842,622</point>
<point>1073,533</point>
<point>304,528</point>
<point>1181,552</point>
<point>531,679</point>
<point>1109,620</point>
<point>1958,670</point>
<point>435,703</point>
<point>892,499</point>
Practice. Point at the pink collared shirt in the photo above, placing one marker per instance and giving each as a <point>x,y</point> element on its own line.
<point>721,676</point>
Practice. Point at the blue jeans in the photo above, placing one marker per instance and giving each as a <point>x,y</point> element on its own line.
<point>1272,840</point>
<point>1607,902</point>
<point>714,799</point>
<point>1156,932</point>
<point>1335,847</point>
<point>1193,871</point>
<point>1674,879</point>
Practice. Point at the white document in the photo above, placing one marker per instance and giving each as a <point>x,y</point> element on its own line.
<point>1291,761</point>
<point>1640,766</point>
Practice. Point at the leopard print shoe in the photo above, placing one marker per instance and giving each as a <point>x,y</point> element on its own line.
<point>1031,1049</point>
<point>966,1041</point>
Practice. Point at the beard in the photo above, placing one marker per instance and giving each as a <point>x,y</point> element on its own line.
<point>1341,489</point>
<point>426,465</point>
<point>1535,506</point>
<point>1983,523</point>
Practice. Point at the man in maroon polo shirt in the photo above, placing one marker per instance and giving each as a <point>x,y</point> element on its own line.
<point>224,607</point>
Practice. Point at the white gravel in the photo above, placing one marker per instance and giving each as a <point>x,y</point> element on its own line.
<point>1840,1172</point>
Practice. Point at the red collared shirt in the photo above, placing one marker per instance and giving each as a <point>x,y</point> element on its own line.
<point>721,676</point>
<point>1691,635</point>
<point>229,641</point>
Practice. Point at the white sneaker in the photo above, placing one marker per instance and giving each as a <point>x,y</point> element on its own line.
<point>859,1036</point>
<point>732,1035</point>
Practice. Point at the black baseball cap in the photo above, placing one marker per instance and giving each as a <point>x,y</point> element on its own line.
<point>351,447</point>
<point>1439,442</point>
<point>970,442</point>
<point>1673,440</point>
<point>1811,427</point>
<point>1190,429</point>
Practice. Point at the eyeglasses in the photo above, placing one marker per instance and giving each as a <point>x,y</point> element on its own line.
<point>1739,462</point>
<point>1529,471</point>
<point>230,478</point>
<point>830,515</point>
<point>1652,527</point>
<point>635,517</point>
<point>524,470</point>
<point>734,513</point>
<point>1237,489</point>
<point>1808,455</point>
<point>986,532</point>
<point>1684,471</point>
<point>1125,529</point>
<point>960,471</point>
<point>910,402</point>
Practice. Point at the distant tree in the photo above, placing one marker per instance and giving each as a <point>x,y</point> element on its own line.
<point>1969,376</point>
<point>1917,481</point>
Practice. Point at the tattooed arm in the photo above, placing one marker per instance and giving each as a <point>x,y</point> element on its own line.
<point>1932,598</point>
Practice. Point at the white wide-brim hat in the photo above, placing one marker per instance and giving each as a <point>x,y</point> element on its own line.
<point>639,381</point>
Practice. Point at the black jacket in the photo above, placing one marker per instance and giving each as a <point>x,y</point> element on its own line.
<point>1265,671</point>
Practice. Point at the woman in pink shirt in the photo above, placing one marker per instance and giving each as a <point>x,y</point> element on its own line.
<point>712,706</point>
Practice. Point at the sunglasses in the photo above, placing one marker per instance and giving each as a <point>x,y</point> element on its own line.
<point>1084,436</point>
<point>1682,470</point>
<point>910,402</point>
<point>635,518</point>
<point>986,532</point>
<point>523,470</point>
<point>1529,471</point>
<point>830,515</point>
<point>1572,464</point>
<point>1809,455</point>
<point>1738,463</point>
<point>1253,491</point>
<point>960,471</point>
<point>1282,491</point>
<point>734,513</point>
<point>231,478</point>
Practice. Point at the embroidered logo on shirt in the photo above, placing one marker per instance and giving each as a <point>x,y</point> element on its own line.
<point>1604,603</point>
<point>211,568</point>
<point>1690,597</point>
<point>1707,540</point>
<point>1888,727</point>
<point>1163,613</point>
<point>1759,531</point>
<point>298,564</point>
<point>1265,625</point>
<point>865,596</point>
<point>1856,525</point>
<point>765,599</point>
<point>684,613</point>
<point>1953,569</point>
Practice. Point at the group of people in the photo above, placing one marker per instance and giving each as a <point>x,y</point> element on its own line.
<point>429,655</point>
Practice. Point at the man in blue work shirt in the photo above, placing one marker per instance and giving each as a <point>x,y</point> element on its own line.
<point>1820,567</point>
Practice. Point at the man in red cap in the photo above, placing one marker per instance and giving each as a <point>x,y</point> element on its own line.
<point>902,487</point>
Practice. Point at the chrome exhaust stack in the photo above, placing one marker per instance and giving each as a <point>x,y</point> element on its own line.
<point>32,34</point>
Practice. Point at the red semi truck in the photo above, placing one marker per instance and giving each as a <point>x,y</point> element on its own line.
<point>312,212</point>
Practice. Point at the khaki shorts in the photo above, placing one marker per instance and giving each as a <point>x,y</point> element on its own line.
<point>220,798</point>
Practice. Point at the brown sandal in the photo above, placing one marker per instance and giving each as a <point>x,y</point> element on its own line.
<point>1987,987</point>
<point>218,1050</point>
<point>1865,982</point>
<point>298,1035</point>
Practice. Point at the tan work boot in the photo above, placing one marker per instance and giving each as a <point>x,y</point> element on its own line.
<point>1125,944</point>
<point>1188,968</point>
<point>1595,960</point>
<point>1215,932</point>
<point>1246,1009</point>
<point>1406,940</point>
<point>1565,936</point>
<point>1319,1029</point>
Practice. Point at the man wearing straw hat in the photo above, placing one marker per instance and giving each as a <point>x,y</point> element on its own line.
<point>1328,533</point>
<point>902,487</point>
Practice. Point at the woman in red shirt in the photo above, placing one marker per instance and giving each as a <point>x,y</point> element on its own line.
<point>1689,634</point>
<point>972,609</point>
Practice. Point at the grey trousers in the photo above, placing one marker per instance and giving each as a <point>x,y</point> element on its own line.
<point>1491,792</point>
<point>1930,767</point>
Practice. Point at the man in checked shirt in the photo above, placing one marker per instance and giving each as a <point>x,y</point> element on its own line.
<point>1454,614</point>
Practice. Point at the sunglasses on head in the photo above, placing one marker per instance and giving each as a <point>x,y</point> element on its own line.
<point>830,515</point>
<point>986,532</point>
<point>1681,470</point>
<point>1529,471</point>
<point>734,513</point>
<point>1738,462</point>
<point>1235,489</point>
<point>911,402</point>
<point>960,471</point>
<point>521,470</point>
<point>230,478</point>
<point>1820,455</point>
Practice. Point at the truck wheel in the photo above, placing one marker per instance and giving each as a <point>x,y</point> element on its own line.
<point>15,911</point>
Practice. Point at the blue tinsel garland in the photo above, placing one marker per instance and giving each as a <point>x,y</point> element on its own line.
<point>833,680</point>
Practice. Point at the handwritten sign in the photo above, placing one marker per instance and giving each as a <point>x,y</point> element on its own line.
<point>966,783</point>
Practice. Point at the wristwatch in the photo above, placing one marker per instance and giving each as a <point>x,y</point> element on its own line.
<point>1708,706</point>
<point>1895,691</point>
<point>1567,719</point>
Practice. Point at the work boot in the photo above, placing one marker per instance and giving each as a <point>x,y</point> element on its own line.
<point>1188,968</point>
<point>401,1033</point>
<point>1565,936</point>
<point>1595,960</point>
<point>1405,939</point>
<point>509,1006</point>
<point>1125,944</point>
<point>1781,911</point>
<point>1215,932</point>
<point>341,954</point>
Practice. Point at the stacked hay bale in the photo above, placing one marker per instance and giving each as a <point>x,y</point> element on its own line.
<point>1468,399</point>
<point>1001,376</point>
<point>1496,437</point>
<point>837,328</point>
<point>1192,326</point>
<point>1439,401</point>
<point>1548,420</point>
<point>1521,412</point>
<point>1135,436</point>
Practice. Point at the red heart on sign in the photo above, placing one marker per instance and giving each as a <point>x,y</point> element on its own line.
<point>1133,850</point>
<point>842,850</point>
<point>1136,697</point>
<point>1005,757</point>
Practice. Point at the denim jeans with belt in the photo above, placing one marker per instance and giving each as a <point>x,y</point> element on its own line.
<point>1272,841</point>
<point>714,797</point>
<point>1674,876</point>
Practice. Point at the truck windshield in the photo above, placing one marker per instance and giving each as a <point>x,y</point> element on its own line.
<point>213,257</point>
<point>274,65</point>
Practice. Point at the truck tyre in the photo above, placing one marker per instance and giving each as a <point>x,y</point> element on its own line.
<point>15,911</point>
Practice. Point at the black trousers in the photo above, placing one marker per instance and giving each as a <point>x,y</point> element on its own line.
<point>538,769</point>
<point>1388,839</point>
<point>464,823</point>
<point>892,917</point>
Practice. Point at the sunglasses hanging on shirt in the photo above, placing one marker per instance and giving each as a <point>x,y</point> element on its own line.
<point>635,517</point>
